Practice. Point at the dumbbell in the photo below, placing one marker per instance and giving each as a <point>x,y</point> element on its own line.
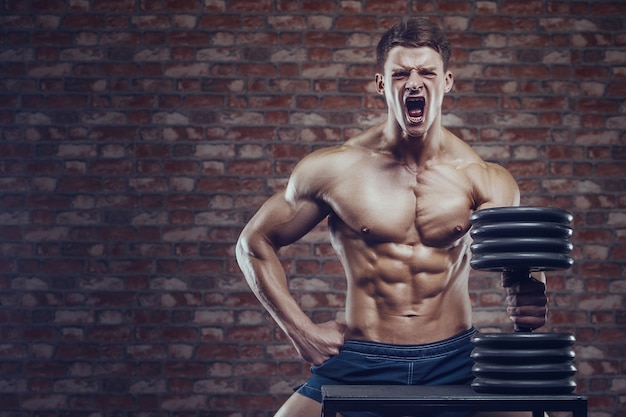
<point>518,241</point>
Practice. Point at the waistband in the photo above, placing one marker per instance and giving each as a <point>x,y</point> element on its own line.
<point>451,344</point>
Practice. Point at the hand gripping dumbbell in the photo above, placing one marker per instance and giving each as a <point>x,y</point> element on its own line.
<point>518,241</point>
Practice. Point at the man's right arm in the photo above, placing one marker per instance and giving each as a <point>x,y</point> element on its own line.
<point>282,220</point>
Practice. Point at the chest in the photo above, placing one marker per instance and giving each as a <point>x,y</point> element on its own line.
<point>431,207</point>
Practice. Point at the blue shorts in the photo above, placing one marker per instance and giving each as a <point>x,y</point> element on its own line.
<point>359,362</point>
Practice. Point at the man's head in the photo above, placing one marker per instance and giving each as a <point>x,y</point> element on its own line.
<point>414,32</point>
<point>413,59</point>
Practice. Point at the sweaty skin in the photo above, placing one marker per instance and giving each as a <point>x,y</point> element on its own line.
<point>398,198</point>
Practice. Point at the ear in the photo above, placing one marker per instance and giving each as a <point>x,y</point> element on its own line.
<point>380,84</point>
<point>449,82</point>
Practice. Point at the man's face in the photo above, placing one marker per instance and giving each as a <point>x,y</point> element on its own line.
<point>414,83</point>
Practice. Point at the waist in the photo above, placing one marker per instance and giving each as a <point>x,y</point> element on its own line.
<point>451,344</point>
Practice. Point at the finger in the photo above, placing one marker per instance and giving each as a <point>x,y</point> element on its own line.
<point>318,360</point>
<point>527,299</point>
<point>342,327</point>
<point>528,321</point>
<point>510,278</point>
<point>527,287</point>
<point>528,316</point>
<point>527,311</point>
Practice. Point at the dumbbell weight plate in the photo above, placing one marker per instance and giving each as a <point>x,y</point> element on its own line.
<point>523,340</point>
<point>534,214</point>
<point>534,261</point>
<point>534,371</point>
<point>520,229</point>
<point>522,356</point>
<point>520,387</point>
<point>522,244</point>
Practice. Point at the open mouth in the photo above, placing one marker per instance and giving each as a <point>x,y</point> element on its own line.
<point>415,108</point>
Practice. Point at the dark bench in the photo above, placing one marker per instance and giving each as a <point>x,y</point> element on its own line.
<point>403,400</point>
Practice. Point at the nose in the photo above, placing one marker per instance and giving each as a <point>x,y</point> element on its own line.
<point>415,82</point>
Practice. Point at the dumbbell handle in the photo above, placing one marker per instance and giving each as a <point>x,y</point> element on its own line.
<point>516,275</point>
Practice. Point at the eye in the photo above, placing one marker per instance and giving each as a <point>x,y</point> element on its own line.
<point>400,74</point>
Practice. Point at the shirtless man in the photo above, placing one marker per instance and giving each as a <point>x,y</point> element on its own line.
<point>398,198</point>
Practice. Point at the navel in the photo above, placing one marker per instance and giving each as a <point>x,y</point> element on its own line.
<point>365,230</point>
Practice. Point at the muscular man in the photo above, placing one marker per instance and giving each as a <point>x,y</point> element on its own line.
<point>398,198</point>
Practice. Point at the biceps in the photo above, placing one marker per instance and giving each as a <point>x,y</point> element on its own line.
<point>281,222</point>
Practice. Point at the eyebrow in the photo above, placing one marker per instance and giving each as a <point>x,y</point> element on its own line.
<point>431,68</point>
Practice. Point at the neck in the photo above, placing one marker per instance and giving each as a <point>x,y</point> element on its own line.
<point>413,149</point>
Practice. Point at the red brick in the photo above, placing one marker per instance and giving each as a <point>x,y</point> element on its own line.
<point>517,7</point>
<point>77,351</point>
<point>182,5</point>
<point>616,335</point>
<point>219,21</point>
<point>360,23</point>
<point>116,6</point>
<point>390,6</point>
<point>112,401</point>
<point>340,102</point>
<point>46,6</point>
<point>249,167</point>
<point>83,22</point>
<point>202,267</point>
<point>455,7</point>
<point>608,8</point>
<point>530,71</point>
<point>251,6</point>
<point>553,103</point>
<point>188,38</point>
<point>491,23</point>
<point>9,150</point>
<point>111,167</point>
<point>257,70</point>
<point>476,103</point>
<point>590,72</point>
<point>611,170</point>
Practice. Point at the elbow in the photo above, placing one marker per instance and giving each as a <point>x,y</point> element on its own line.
<point>251,244</point>
<point>245,259</point>
<point>242,247</point>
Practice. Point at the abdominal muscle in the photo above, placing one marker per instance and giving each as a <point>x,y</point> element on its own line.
<point>402,294</point>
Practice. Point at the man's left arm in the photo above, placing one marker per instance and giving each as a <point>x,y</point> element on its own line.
<point>526,295</point>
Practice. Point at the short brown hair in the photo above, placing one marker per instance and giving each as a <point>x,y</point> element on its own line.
<point>415,32</point>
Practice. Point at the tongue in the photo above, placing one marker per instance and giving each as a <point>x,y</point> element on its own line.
<point>416,112</point>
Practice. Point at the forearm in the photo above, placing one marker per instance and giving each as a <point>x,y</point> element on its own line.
<point>280,222</point>
<point>267,280</point>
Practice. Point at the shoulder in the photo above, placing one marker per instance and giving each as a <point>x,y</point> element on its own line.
<point>319,170</point>
<point>492,184</point>
<point>329,161</point>
<point>316,174</point>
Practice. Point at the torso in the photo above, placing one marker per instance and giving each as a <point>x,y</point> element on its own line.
<point>402,238</point>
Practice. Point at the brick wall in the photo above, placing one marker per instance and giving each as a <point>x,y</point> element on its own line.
<point>138,136</point>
